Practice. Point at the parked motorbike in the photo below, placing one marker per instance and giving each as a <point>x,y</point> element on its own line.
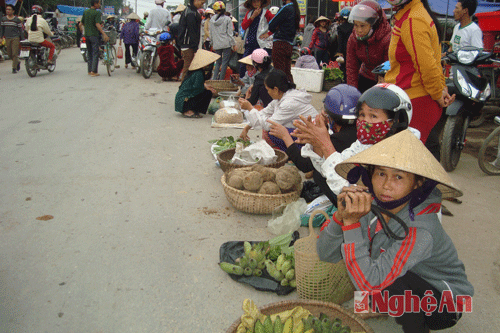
<point>83,49</point>
<point>36,57</point>
<point>146,56</point>
<point>489,154</point>
<point>472,89</point>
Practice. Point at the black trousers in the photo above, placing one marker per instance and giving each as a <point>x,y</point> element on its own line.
<point>128,58</point>
<point>365,83</point>
<point>198,103</point>
<point>419,322</point>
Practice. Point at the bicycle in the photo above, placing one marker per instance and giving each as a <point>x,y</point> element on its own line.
<point>489,153</point>
<point>109,57</point>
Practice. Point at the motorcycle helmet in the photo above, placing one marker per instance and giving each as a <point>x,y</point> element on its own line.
<point>218,5</point>
<point>367,11</point>
<point>146,14</point>
<point>36,9</point>
<point>305,51</point>
<point>164,37</point>
<point>274,10</point>
<point>340,104</point>
<point>209,11</point>
<point>201,11</point>
<point>344,13</point>
<point>382,68</point>
<point>394,100</point>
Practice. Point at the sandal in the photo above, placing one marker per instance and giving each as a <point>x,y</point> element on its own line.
<point>193,115</point>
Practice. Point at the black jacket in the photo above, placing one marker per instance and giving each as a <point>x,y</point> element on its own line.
<point>189,28</point>
<point>283,24</point>
<point>344,32</point>
<point>341,140</point>
<point>259,90</point>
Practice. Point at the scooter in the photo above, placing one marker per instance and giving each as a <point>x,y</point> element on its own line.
<point>36,57</point>
<point>472,89</point>
<point>83,49</point>
<point>147,53</point>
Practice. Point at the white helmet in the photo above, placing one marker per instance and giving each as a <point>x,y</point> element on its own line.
<point>274,10</point>
<point>146,14</point>
<point>390,97</point>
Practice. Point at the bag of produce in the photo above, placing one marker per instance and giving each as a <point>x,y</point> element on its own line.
<point>289,221</point>
<point>258,153</point>
<point>228,115</point>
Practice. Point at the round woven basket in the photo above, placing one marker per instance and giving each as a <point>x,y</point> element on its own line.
<point>316,279</point>
<point>256,203</point>
<point>222,85</point>
<point>316,308</point>
<point>225,157</point>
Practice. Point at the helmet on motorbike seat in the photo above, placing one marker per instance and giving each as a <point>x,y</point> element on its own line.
<point>345,12</point>
<point>305,51</point>
<point>274,10</point>
<point>36,9</point>
<point>391,98</point>
<point>340,104</point>
<point>368,11</point>
<point>218,5</point>
<point>165,37</point>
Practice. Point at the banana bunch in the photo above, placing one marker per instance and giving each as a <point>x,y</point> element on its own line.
<point>323,324</point>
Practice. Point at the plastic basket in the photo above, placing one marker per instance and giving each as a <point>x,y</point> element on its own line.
<point>308,79</point>
<point>489,21</point>
<point>225,156</point>
<point>112,36</point>
<point>316,279</point>
<point>316,308</point>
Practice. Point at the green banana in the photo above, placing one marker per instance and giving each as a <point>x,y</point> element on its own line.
<point>268,325</point>
<point>247,247</point>
<point>259,327</point>
<point>278,325</point>
<point>230,268</point>
<point>247,271</point>
<point>290,275</point>
<point>257,272</point>
<point>252,263</point>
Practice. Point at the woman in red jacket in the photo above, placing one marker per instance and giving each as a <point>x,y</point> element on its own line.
<point>368,44</point>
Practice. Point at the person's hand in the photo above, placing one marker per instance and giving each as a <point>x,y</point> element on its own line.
<point>446,99</point>
<point>314,133</point>
<point>264,35</point>
<point>245,105</point>
<point>105,37</point>
<point>235,78</point>
<point>244,133</point>
<point>234,48</point>
<point>353,203</point>
<point>256,13</point>
<point>212,89</point>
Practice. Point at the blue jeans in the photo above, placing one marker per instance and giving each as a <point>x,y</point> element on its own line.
<point>220,70</point>
<point>93,50</point>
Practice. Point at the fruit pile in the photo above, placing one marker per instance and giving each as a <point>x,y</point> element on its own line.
<point>312,324</point>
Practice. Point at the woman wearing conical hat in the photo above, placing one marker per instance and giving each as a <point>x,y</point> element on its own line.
<point>388,232</point>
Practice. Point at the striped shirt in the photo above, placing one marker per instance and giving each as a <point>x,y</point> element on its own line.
<point>11,28</point>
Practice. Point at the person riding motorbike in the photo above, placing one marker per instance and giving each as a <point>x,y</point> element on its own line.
<point>37,28</point>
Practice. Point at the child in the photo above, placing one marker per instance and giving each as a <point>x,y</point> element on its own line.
<point>381,111</point>
<point>319,40</point>
<point>397,244</point>
<point>339,108</point>
<point>194,95</point>
<point>247,81</point>
<point>168,68</point>
<point>287,105</point>
<point>306,60</point>
<point>262,62</point>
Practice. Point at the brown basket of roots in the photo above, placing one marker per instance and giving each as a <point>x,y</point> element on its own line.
<point>222,85</point>
<point>256,203</point>
<point>316,279</point>
<point>225,157</point>
<point>316,308</point>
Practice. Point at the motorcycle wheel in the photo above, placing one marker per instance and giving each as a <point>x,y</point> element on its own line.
<point>85,56</point>
<point>58,47</point>
<point>30,64</point>
<point>452,144</point>
<point>51,68</point>
<point>488,154</point>
<point>147,64</point>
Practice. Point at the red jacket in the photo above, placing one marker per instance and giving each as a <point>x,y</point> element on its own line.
<point>363,56</point>
<point>247,21</point>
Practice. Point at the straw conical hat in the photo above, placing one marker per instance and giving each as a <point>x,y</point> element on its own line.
<point>179,8</point>
<point>322,18</point>
<point>233,19</point>
<point>247,60</point>
<point>133,16</point>
<point>403,151</point>
<point>203,58</point>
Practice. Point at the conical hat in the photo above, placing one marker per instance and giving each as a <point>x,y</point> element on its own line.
<point>179,8</point>
<point>403,151</point>
<point>247,60</point>
<point>233,19</point>
<point>323,18</point>
<point>203,58</point>
<point>133,16</point>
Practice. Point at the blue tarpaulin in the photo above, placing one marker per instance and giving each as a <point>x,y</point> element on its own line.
<point>441,6</point>
<point>11,2</point>
<point>77,11</point>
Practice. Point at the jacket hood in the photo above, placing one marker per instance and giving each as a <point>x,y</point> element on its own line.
<point>299,96</point>
<point>222,20</point>
<point>382,30</point>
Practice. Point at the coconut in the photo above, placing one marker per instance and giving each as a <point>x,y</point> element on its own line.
<point>269,188</point>
<point>252,181</point>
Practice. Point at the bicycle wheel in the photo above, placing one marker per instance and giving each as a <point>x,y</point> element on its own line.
<point>488,157</point>
<point>107,58</point>
<point>113,58</point>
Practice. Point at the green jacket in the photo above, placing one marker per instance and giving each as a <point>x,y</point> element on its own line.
<point>193,85</point>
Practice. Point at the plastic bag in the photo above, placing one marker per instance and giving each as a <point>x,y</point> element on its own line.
<point>289,221</point>
<point>119,52</point>
<point>258,153</point>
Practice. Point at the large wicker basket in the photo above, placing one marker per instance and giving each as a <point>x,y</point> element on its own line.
<point>225,157</point>
<point>222,85</point>
<point>112,34</point>
<point>256,203</point>
<point>316,308</point>
<point>316,279</point>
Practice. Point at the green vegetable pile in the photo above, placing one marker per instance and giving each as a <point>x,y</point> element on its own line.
<point>312,324</point>
<point>227,142</point>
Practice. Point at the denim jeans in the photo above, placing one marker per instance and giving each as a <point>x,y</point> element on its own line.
<point>220,70</point>
<point>93,51</point>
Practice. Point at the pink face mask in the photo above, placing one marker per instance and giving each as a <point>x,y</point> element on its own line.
<point>369,134</point>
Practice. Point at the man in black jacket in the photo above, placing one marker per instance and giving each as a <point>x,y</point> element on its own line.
<point>189,33</point>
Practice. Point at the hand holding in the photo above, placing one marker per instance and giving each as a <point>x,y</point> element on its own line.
<point>353,203</point>
<point>256,13</point>
<point>314,133</point>
<point>278,130</point>
<point>245,105</point>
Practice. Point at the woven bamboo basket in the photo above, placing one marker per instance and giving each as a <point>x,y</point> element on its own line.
<point>222,85</point>
<point>225,157</point>
<point>316,308</point>
<point>256,203</point>
<point>316,279</point>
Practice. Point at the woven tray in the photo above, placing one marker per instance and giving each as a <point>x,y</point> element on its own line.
<point>225,156</point>
<point>255,203</point>
<point>315,307</point>
<point>222,85</point>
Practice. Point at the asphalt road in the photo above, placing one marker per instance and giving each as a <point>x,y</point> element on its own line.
<point>139,212</point>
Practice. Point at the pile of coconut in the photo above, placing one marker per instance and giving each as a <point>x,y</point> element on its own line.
<point>264,180</point>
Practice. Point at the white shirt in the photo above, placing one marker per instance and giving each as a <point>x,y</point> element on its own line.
<point>158,18</point>
<point>470,35</point>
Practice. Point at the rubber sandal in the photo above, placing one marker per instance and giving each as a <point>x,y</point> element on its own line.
<point>189,116</point>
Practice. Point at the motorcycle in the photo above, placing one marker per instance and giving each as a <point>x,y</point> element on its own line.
<point>147,53</point>
<point>489,153</point>
<point>83,49</point>
<point>472,88</point>
<point>36,57</point>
